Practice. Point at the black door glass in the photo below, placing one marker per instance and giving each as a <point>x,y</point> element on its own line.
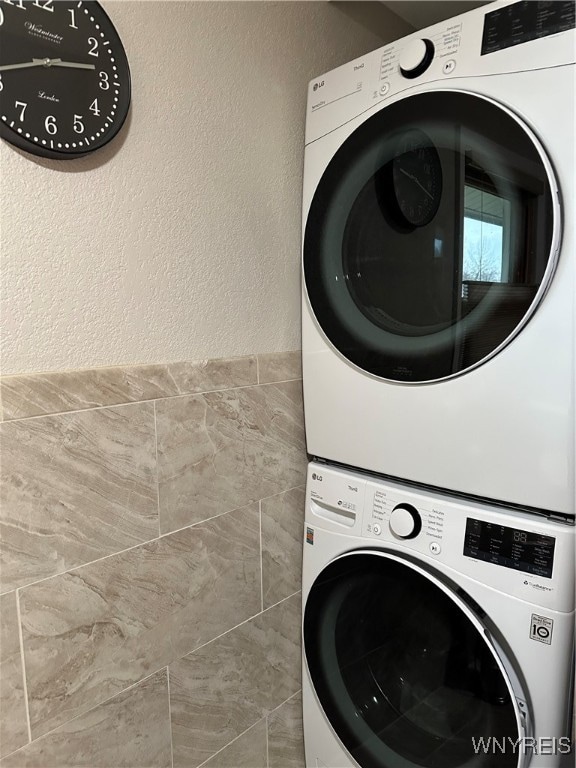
<point>403,675</point>
<point>429,237</point>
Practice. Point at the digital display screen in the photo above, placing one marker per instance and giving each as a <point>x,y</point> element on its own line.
<point>511,547</point>
<point>524,21</point>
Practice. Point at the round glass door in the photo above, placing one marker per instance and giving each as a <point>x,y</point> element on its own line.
<point>404,676</point>
<point>431,237</point>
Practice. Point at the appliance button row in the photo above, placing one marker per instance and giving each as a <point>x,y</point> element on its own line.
<point>447,68</point>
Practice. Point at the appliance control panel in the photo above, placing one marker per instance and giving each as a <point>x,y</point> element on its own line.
<point>392,514</point>
<point>510,37</point>
<point>522,554</point>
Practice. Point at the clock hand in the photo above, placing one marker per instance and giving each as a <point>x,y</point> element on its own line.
<point>33,63</point>
<point>60,63</point>
<point>47,63</point>
<point>415,180</point>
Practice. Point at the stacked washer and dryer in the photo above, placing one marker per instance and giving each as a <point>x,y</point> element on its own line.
<point>439,276</point>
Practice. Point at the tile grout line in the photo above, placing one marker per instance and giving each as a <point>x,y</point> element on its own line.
<point>85,712</point>
<point>23,661</point>
<point>128,549</point>
<point>271,712</point>
<point>231,742</point>
<point>149,541</point>
<point>170,717</point>
<point>155,672</point>
<point>124,403</point>
<point>267,743</point>
<point>124,366</point>
<point>298,591</point>
<point>284,702</point>
<point>266,716</point>
<point>261,559</point>
<point>301,487</point>
<point>236,626</point>
<point>157,470</point>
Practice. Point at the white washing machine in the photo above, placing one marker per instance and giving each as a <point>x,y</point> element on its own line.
<point>439,258</point>
<point>437,633</point>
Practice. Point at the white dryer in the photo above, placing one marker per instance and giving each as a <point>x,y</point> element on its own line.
<point>437,633</point>
<point>439,258</point>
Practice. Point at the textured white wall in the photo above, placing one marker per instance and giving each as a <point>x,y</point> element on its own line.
<point>180,241</point>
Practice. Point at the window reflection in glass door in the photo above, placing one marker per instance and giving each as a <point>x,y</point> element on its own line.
<point>486,236</point>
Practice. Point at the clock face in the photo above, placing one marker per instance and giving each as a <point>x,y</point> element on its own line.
<point>64,77</point>
<point>417,178</point>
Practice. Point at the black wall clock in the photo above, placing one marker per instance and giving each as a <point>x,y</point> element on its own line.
<point>64,77</point>
<point>416,178</point>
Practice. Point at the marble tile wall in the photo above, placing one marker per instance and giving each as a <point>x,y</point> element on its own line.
<point>151,533</point>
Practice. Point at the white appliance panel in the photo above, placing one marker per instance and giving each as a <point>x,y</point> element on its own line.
<point>504,430</point>
<point>540,665</point>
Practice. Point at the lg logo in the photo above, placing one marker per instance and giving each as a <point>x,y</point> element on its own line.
<point>316,477</point>
<point>318,85</point>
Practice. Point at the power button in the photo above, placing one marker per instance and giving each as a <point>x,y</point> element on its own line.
<point>384,89</point>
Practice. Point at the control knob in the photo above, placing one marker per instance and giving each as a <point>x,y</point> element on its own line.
<point>416,57</point>
<point>405,522</point>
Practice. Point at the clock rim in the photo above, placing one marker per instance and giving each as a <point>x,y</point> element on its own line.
<point>430,146</point>
<point>19,141</point>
